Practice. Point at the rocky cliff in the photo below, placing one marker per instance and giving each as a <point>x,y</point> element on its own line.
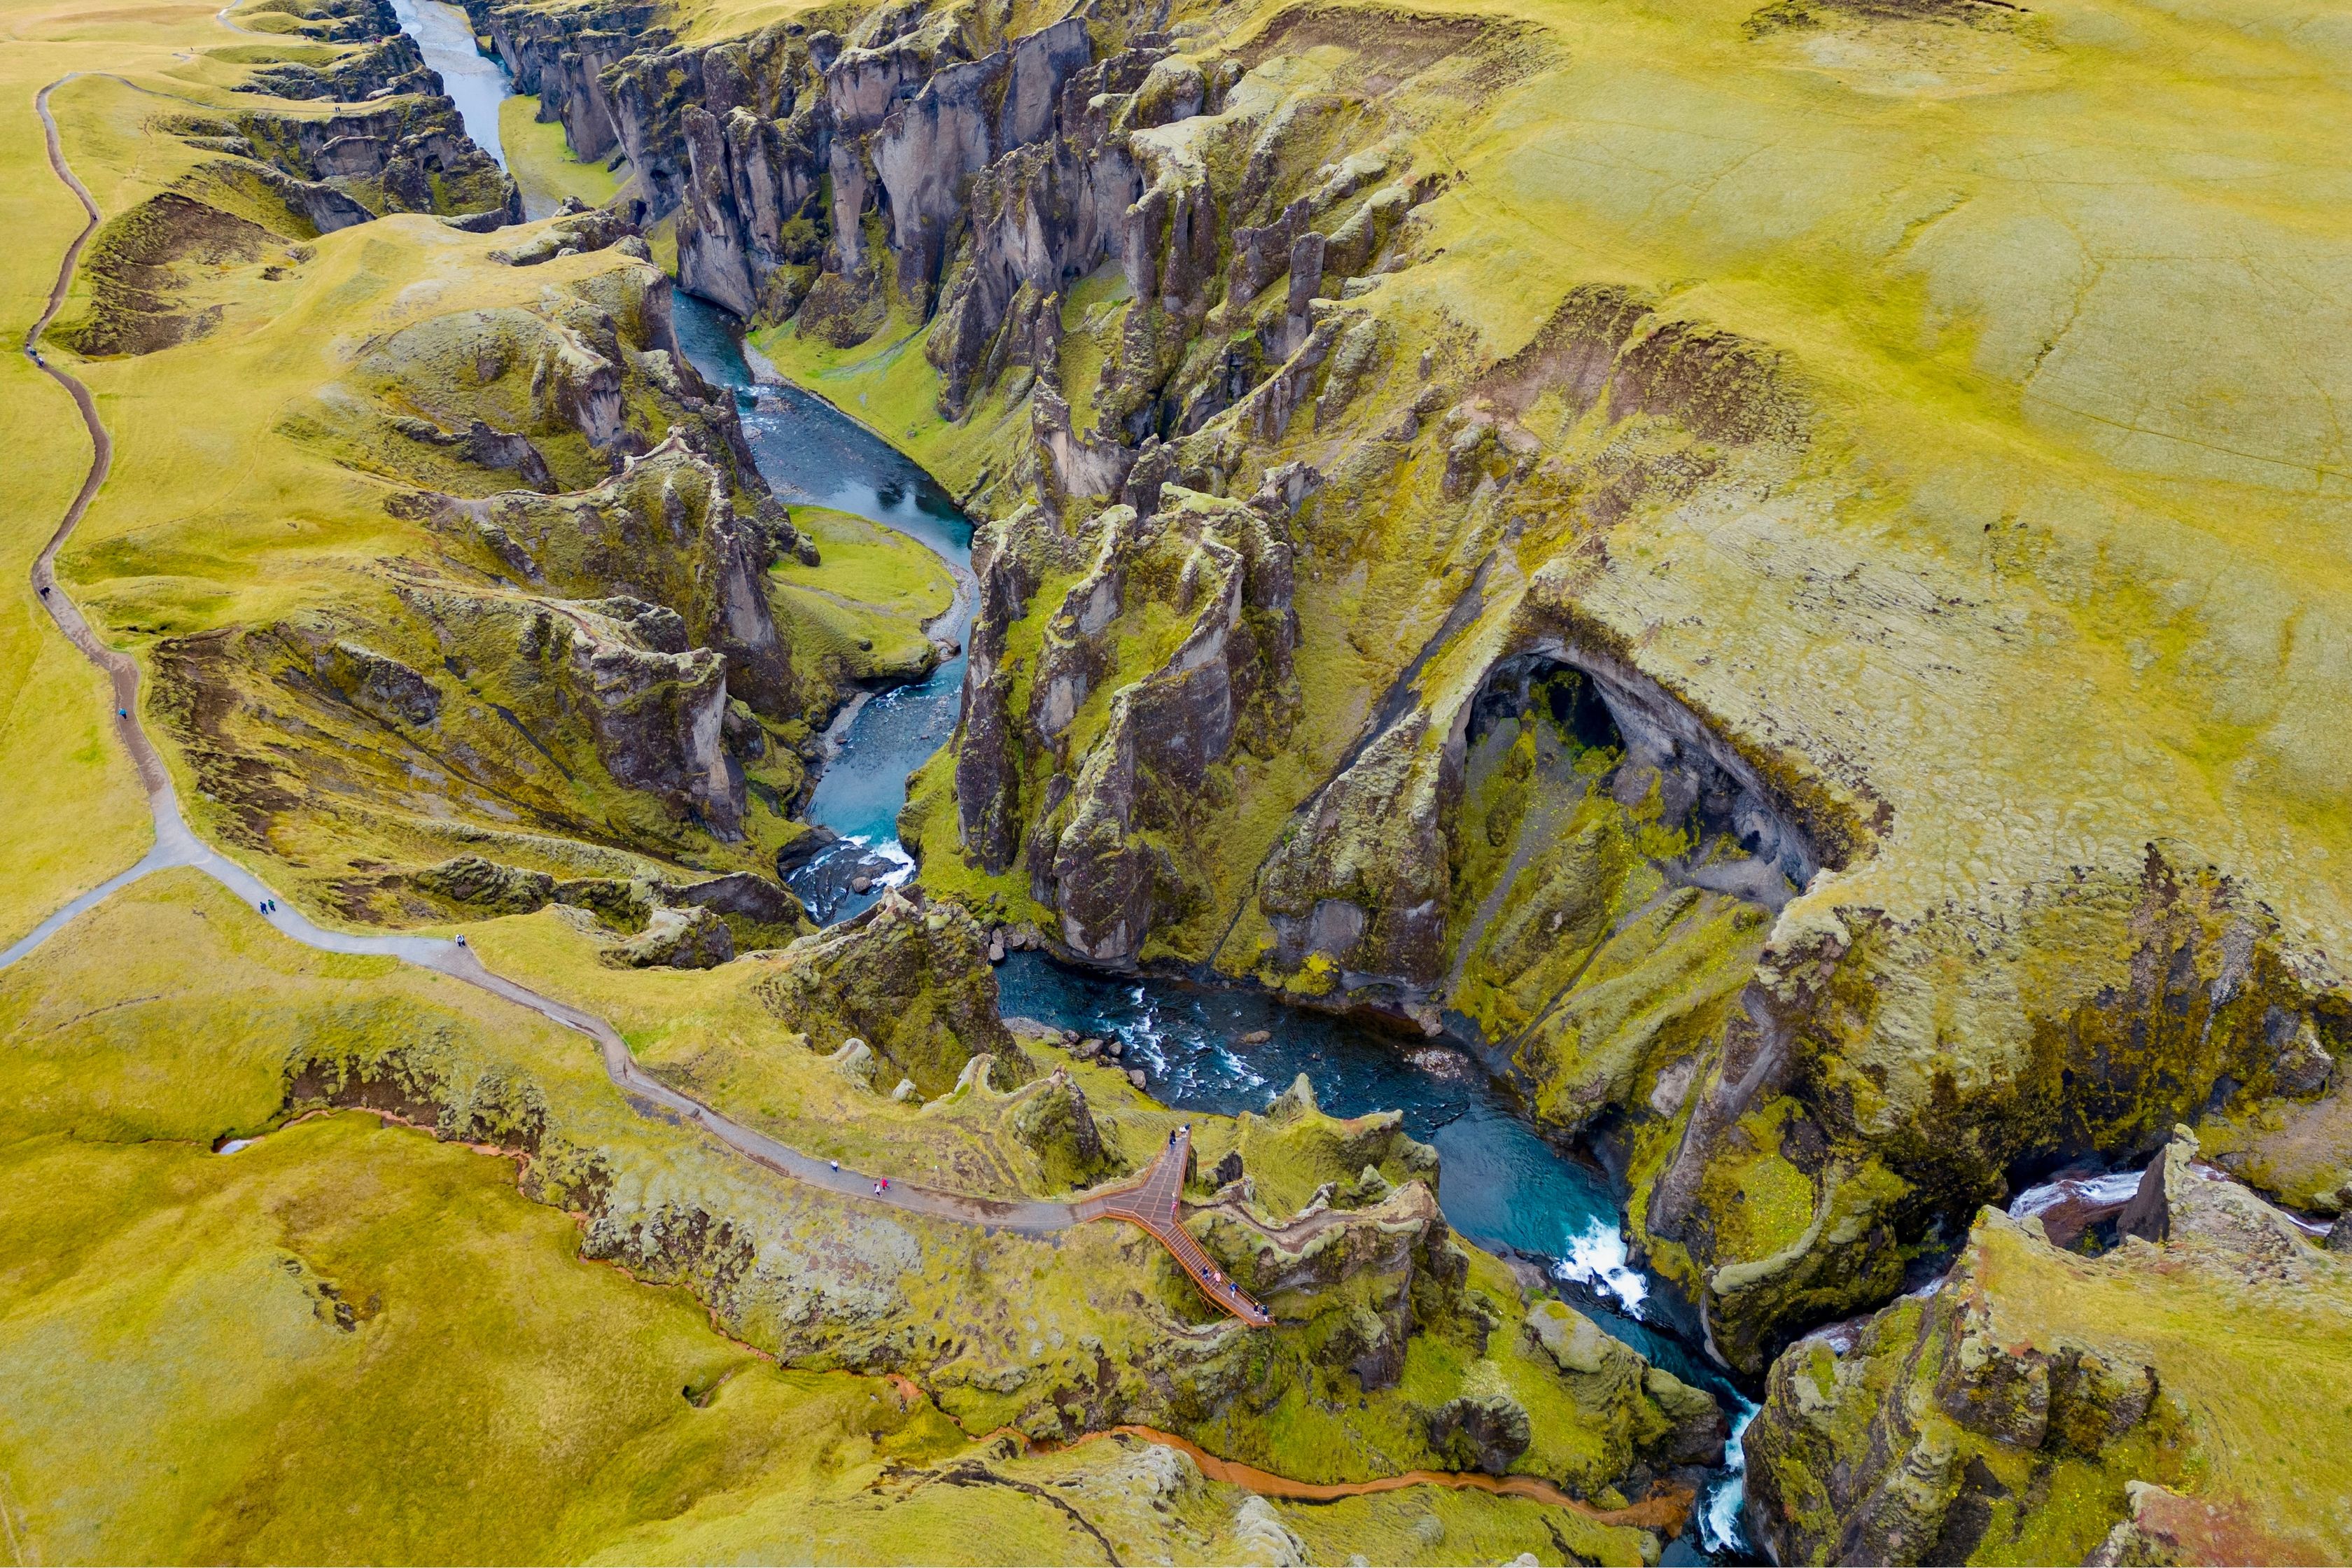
<point>1695,900</point>
<point>563,677</point>
<point>1846,759</point>
<point>2037,1403</point>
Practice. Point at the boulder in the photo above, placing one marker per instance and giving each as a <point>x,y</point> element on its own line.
<point>1056,1123</point>
<point>1485,1432</point>
<point>856,1062</point>
<point>487,885</point>
<point>678,939</point>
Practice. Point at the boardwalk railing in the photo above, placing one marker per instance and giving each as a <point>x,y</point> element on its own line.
<point>1151,1204</point>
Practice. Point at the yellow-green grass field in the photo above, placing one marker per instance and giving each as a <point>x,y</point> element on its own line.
<point>340,1308</point>
<point>542,162</point>
<point>346,1340</point>
<point>872,585</point>
<point>75,813</point>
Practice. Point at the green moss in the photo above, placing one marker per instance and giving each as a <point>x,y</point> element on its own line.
<point>540,157</point>
<point>860,613</point>
<point>2045,1475</point>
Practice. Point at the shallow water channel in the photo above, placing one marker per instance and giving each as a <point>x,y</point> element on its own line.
<point>1501,1185</point>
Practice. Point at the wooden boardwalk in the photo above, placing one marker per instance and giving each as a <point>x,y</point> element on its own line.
<point>1152,1205</point>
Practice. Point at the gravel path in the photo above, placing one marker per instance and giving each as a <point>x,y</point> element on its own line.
<point>176,843</point>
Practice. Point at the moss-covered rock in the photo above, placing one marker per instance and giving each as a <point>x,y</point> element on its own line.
<point>691,938</point>
<point>1485,1433</point>
<point>1647,1408</point>
<point>2038,1403</point>
<point>486,885</point>
<point>1055,1121</point>
<point>912,978</point>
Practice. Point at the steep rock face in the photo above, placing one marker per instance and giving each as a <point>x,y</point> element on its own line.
<point>590,707</point>
<point>570,387</point>
<point>656,714</point>
<point>1048,213</point>
<point>2179,1001</point>
<point>742,137</point>
<point>562,62</point>
<point>1645,1407</point>
<point>965,117</point>
<point>910,978</point>
<point>597,669</point>
<point>1137,742</point>
<point>391,65</point>
<point>664,533</point>
<point>2039,1404</point>
<point>411,154</point>
<point>653,707</point>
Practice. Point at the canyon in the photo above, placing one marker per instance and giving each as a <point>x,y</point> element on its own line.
<point>1806,701</point>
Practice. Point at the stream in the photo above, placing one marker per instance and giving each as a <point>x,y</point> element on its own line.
<point>1501,1183</point>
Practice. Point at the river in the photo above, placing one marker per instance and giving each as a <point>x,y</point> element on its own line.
<point>475,82</point>
<point>1501,1183</point>
<point>813,455</point>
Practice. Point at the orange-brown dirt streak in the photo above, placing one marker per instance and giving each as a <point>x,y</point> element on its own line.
<point>1666,1510</point>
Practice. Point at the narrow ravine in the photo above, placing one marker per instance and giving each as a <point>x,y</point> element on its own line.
<point>813,455</point>
<point>474,81</point>
<point>1501,1183</point>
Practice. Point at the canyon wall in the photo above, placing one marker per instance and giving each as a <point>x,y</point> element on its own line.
<point>1468,671</point>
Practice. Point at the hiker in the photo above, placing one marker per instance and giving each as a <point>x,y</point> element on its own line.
<point>837,1167</point>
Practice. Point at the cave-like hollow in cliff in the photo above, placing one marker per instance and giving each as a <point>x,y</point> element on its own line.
<point>1704,783</point>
